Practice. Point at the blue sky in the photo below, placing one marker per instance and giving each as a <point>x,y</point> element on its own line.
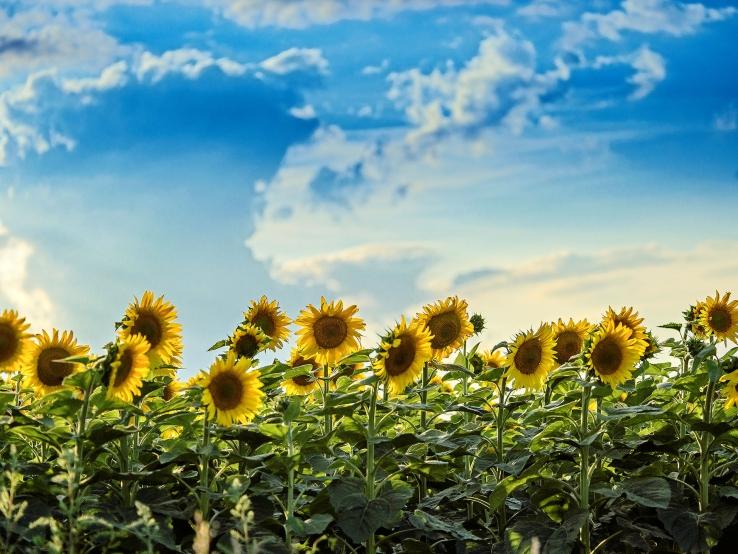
<point>543,159</point>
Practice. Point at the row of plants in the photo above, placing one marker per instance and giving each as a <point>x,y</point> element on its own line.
<point>570,437</point>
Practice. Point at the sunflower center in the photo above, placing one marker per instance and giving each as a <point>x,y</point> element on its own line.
<point>607,357</point>
<point>720,320</point>
<point>529,356</point>
<point>8,342</point>
<point>149,326</point>
<point>247,346</point>
<point>400,358</point>
<point>50,372</point>
<point>305,380</point>
<point>265,322</point>
<point>226,390</point>
<point>568,344</point>
<point>330,331</point>
<point>169,392</point>
<point>445,329</point>
<point>126,363</point>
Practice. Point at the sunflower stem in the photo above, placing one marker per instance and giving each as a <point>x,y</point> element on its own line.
<point>205,469</point>
<point>467,459</point>
<point>705,449</point>
<point>290,487</point>
<point>501,447</point>
<point>584,476</point>
<point>370,484</point>
<point>423,492</point>
<point>326,390</point>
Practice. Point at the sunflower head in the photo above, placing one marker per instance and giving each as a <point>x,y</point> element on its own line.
<point>719,317</point>
<point>42,370</point>
<point>329,333</point>
<point>232,390</point>
<point>248,340</point>
<point>156,320</point>
<point>15,341</point>
<point>493,359</point>
<point>693,320</point>
<point>449,325</point>
<point>273,322</point>
<point>731,389</point>
<point>628,318</point>
<point>531,357</point>
<point>302,385</point>
<point>402,353</point>
<point>569,338</point>
<point>128,369</point>
<point>652,346</point>
<point>443,386</point>
<point>612,353</point>
<point>172,389</point>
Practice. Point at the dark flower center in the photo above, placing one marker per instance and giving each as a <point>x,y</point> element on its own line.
<point>247,346</point>
<point>401,357</point>
<point>720,320</point>
<point>305,380</point>
<point>226,390</point>
<point>9,342</point>
<point>126,364</point>
<point>568,344</point>
<point>50,372</point>
<point>445,328</point>
<point>265,322</point>
<point>148,325</point>
<point>330,331</point>
<point>607,357</point>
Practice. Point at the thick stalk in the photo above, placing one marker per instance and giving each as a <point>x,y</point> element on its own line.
<point>205,470</point>
<point>705,450</point>
<point>370,484</point>
<point>584,468</point>
<point>290,486</point>
<point>501,447</point>
<point>326,390</point>
<point>423,424</point>
<point>467,459</point>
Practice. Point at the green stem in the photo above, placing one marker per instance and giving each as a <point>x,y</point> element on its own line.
<point>501,448</point>
<point>205,470</point>
<point>584,467</point>
<point>290,486</point>
<point>326,390</point>
<point>467,459</point>
<point>370,483</point>
<point>423,492</point>
<point>705,450</point>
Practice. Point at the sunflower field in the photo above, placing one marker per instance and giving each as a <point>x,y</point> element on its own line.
<point>570,437</point>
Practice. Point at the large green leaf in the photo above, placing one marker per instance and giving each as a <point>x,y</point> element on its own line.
<point>652,492</point>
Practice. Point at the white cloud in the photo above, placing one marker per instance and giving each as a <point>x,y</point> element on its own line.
<point>15,292</point>
<point>727,120</point>
<point>297,14</point>
<point>539,9</point>
<point>304,112</point>
<point>376,69</point>
<point>499,84</point>
<point>189,62</point>
<point>649,66</point>
<point>365,111</point>
<point>113,76</point>
<point>297,60</point>
<point>642,16</point>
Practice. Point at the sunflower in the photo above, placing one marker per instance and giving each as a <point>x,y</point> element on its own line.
<point>172,389</point>
<point>719,317</point>
<point>569,338</point>
<point>402,354</point>
<point>14,340</point>
<point>41,371</point>
<point>270,319</point>
<point>302,385</point>
<point>630,319</point>
<point>443,386</point>
<point>248,340</point>
<point>448,322</point>
<point>128,369</point>
<point>330,333</point>
<point>156,321</point>
<point>693,317</point>
<point>493,359</point>
<point>612,353</point>
<point>232,390</point>
<point>731,389</point>
<point>531,357</point>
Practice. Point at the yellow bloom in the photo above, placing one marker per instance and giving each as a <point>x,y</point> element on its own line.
<point>731,389</point>
<point>41,370</point>
<point>613,353</point>
<point>444,386</point>
<point>630,319</point>
<point>302,384</point>
<point>493,360</point>
<point>719,317</point>
<point>531,357</point>
<point>270,319</point>
<point>172,432</point>
<point>329,333</point>
<point>156,321</point>
<point>248,340</point>
<point>232,390</point>
<point>15,341</point>
<point>569,338</point>
<point>129,368</point>
<point>449,325</point>
<point>402,353</point>
<point>172,389</point>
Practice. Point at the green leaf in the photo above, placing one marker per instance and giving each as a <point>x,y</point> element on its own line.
<point>675,326</point>
<point>218,345</point>
<point>427,522</point>
<point>652,492</point>
<point>313,526</point>
<point>508,485</point>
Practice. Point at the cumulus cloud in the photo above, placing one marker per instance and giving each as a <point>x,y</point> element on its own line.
<point>499,84</point>
<point>189,62</point>
<point>649,67</point>
<point>642,16</point>
<point>15,292</point>
<point>539,9</point>
<point>298,14</point>
<point>295,60</point>
<point>375,69</point>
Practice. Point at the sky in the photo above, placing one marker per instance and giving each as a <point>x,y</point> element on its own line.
<point>541,159</point>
